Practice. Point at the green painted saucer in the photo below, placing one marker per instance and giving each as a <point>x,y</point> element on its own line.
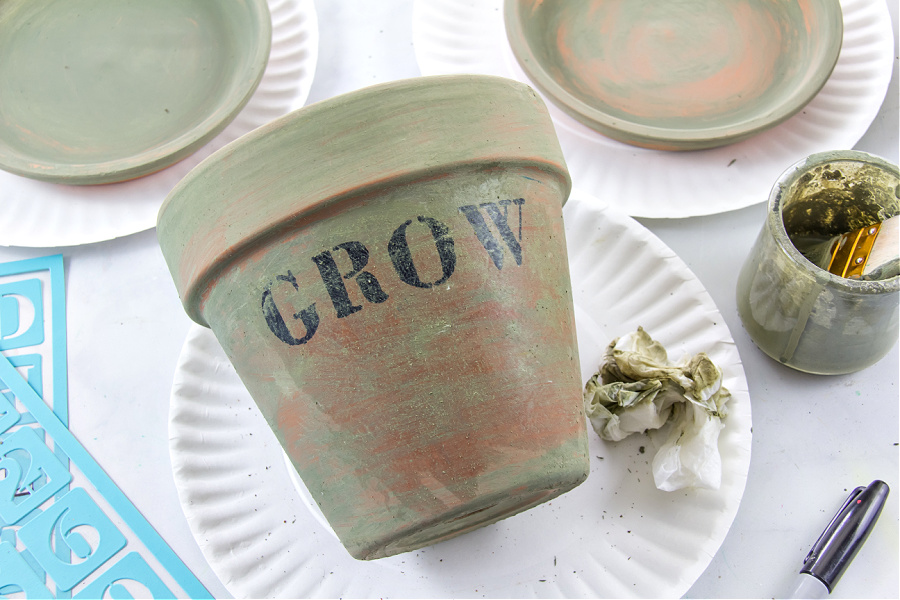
<point>100,91</point>
<point>677,75</point>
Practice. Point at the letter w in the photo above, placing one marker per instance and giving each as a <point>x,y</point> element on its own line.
<point>499,213</point>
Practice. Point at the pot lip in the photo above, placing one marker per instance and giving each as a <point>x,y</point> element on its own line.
<point>309,112</point>
<point>780,235</point>
<point>195,255</point>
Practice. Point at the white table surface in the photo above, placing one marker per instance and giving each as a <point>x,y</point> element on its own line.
<point>814,437</point>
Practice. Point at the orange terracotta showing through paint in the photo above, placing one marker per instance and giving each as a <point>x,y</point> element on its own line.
<point>640,69</point>
<point>391,285</point>
<point>683,74</point>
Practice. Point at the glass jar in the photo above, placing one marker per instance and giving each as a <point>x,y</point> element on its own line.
<point>798,312</point>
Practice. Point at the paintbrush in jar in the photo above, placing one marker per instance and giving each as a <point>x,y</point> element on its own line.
<point>871,252</point>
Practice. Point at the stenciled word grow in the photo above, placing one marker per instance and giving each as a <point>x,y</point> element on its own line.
<point>402,261</point>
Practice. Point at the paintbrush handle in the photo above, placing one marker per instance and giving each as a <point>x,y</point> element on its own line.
<point>857,253</point>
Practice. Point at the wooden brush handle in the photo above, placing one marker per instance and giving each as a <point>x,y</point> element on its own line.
<point>861,251</point>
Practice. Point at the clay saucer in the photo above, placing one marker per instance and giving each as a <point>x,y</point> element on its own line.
<point>100,91</point>
<point>679,75</point>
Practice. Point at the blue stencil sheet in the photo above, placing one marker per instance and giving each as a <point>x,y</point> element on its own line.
<point>33,326</point>
<point>106,562</point>
<point>33,337</point>
<point>62,535</point>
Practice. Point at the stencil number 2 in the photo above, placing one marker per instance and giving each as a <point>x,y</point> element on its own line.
<point>29,474</point>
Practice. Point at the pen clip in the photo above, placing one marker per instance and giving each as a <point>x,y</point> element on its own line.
<point>826,534</point>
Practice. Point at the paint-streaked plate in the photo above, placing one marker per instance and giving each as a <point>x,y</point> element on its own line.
<point>465,36</point>
<point>106,91</point>
<point>616,535</point>
<point>677,75</point>
<point>41,214</point>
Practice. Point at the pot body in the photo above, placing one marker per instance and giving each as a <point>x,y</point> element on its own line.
<point>411,343</point>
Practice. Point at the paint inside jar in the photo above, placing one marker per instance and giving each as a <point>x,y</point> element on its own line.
<point>835,199</point>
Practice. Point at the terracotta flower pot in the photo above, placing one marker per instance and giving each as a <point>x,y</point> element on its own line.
<point>387,272</point>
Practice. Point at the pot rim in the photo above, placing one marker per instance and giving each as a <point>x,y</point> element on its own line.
<point>339,149</point>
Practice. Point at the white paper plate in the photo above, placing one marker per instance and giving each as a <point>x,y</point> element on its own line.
<point>41,214</point>
<point>468,36</point>
<point>616,535</point>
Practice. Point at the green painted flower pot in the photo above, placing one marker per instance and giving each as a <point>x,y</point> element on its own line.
<point>387,272</point>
